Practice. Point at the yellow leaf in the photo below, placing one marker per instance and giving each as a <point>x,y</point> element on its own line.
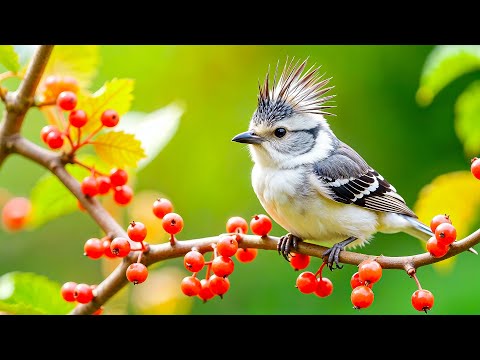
<point>78,61</point>
<point>456,194</point>
<point>115,94</point>
<point>119,149</point>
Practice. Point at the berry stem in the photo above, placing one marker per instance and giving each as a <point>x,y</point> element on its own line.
<point>89,137</point>
<point>140,255</point>
<point>414,275</point>
<point>172,240</point>
<point>91,169</point>
<point>320,269</point>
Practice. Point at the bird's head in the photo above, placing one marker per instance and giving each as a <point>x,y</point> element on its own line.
<point>288,126</point>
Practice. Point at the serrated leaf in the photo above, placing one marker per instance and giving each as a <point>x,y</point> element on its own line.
<point>119,149</point>
<point>443,65</point>
<point>51,199</point>
<point>78,61</point>
<point>116,94</point>
<point>467,119</point>
<point>9,58</point>
<point>456,194</point>
<point>26,293</point>
<point>165,122</point>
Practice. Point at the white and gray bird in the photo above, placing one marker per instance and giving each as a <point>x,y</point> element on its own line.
<point>311,183</point>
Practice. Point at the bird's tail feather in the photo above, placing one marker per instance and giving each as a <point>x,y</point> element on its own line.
<point>423,232</point>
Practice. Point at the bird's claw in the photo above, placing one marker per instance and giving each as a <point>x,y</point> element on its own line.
<point>286,243</point>
<point>333,257</point>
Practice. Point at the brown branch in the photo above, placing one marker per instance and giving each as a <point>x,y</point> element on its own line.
<point>18,102</point>
<point>117,279</point>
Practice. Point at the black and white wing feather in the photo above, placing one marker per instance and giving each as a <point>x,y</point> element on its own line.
<point>350,180</point>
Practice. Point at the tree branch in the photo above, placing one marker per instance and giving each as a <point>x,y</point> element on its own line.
<point>160,252</point>
<point>18,102</point>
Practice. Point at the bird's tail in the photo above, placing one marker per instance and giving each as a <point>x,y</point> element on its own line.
<point>422,231</point>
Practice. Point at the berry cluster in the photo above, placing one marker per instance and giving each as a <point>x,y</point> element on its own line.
<point>221,264</point>
<point>444,235</point>
<point>369,272</point>
<point>100,184</point>
<point>81,293</point>
<point>314,283</point>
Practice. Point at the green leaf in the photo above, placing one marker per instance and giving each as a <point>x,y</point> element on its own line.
<point>443,65</point>
<point>51,199</point>
<point>26,293</point>
<point>119,149</point>
<point>9,58</point>
<point>165,122</point>
<point>115,94</point>
<point>78,61</point>
<point>467,119</point>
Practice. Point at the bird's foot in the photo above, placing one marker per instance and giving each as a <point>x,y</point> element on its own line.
<point>334,252</point>
<point>286,243</point>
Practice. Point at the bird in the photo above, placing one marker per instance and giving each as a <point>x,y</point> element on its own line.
<point>315,186</point>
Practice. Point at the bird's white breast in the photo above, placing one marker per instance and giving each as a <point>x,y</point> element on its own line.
<point>296,204</point>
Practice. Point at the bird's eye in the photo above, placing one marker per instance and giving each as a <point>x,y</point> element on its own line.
<point>280,132</point>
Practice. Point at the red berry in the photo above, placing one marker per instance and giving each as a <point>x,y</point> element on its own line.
<point>93,248</point>
<point>218,285</point>
<point>122,195</point>
<point>54,85</point>
<point>445,234</point>
<point>54,140</point>
<point>205,293</point>
<point>47,129</point>
<point>118,177</point>
<point>261,225</point>
<point>222,266</point>
<point>422,300</point>
<point>362,297</point>
<point>355,281</point>
<point>137,273</point>
<point>369,271</point>
<point>15,213</point>
<point>227,246</point>
<point>191,286</point>
<point>237,224</point>
<point>193,261</point>
<point>103,184</point>
<point>67,100</point>
<point>107,251</point>
<point>110,118</point>
<point>137,231</point>
<point>172,223</point>
<point>89,186</point>
<point>324,287</point>
<point>68,291</point>
<point>161,207</point>
<point>475,167</point>
<point>306,282</point>
<point>435,249</point>
<point>83,293</point>
<point>246,255</point>
<point>299,261</point>
<point>439,219</point>
<point>77,118</point>
<point>120,246</point>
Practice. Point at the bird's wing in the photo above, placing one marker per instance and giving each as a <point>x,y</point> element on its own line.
<point>349,179</point>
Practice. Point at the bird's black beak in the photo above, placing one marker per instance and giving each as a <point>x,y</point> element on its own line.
<point>248,137</point>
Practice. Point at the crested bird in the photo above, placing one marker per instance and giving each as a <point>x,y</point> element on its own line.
<point>310,182</point>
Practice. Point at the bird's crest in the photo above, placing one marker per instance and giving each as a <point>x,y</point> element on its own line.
<point>295,89</point>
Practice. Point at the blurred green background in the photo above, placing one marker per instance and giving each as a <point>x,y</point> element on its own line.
<point>207,176</point>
